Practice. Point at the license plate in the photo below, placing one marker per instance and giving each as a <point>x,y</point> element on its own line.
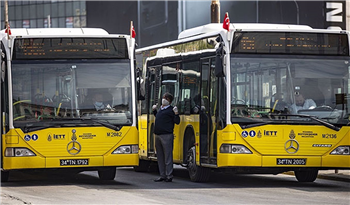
<point>289,161</point>
<point>74,162</point>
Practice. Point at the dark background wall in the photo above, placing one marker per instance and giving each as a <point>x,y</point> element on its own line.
<point>161,21</point>
<point>114,16</point>
<point>154,21</point>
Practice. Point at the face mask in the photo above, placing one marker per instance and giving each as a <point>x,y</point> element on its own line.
<point>165,102</point>
<point>98,104</point>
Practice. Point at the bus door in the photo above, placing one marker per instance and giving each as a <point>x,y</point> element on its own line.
<point>2,74</point>
<point>207,139</point>
<point>153,98</point>
<point>3,107</point>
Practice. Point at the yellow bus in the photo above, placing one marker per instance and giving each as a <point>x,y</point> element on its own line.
<point>68,101</point>
<point>239,94</point>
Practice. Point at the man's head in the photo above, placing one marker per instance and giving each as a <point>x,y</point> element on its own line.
<point>167,99</point>
<point>299,99</point>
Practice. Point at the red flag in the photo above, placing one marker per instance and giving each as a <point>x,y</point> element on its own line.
<point>132,30</point>
<point>8,30</point>
<point>226,24</point>
<point>133,33</point>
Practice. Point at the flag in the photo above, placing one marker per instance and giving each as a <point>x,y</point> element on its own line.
<point>132,31</point>
<point>8,30</point>
<point>226,24</point>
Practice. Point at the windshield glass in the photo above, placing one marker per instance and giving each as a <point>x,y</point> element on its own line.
<point>57,91</point>
<point>275,88</point>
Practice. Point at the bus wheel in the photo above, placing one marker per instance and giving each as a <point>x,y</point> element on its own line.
<point>306,176</point>
<point>107,173</point>
<point>144,166</point>
<point>5,176</point>
<point>197,174</point>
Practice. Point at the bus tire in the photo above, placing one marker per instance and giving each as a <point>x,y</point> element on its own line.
<point>107,173</point>
<point>144,166</point>
<point>306,176</point>
<point>5,176</point>
<point>197,173</point>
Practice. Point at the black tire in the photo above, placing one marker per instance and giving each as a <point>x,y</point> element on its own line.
<point>306,176</point>
<point>144,166</point>
<point>107,173</point>
<point>5,176</point>
<point>197,174</point>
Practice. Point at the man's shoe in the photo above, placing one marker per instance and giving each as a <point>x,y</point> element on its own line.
<point>168,179</point>
<point>160,179</point>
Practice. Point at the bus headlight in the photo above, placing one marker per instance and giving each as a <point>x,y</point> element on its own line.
<point>341,150</point>
<point>127,149</point>
<point>18,152</point>
<point>234,149</point>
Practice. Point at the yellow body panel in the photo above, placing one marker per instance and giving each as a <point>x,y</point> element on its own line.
<point>143,136</point>
<point>179,131</point>
<point>51,145</point>
<point>268,144</point>
<point>242,160</point>
<point>315,143</point>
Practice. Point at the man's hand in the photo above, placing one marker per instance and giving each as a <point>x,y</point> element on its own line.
<point>154,107</point>
<point>176,111</point>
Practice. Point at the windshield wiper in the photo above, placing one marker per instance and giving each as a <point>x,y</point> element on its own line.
<point>107,124</point>
<point>70,121</point>
<point>104,123</point>
<point>326,124</point>
<point>255,125</point>
<point>31,128</point>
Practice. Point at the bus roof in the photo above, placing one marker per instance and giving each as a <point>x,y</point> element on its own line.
<point>56,32</point>
<point>215,28</point>
<point>246,27</point>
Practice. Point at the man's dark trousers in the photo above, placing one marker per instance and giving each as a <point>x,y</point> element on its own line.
<point>164,147</point>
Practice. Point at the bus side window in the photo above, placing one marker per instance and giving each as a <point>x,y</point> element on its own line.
<point>190,85</point>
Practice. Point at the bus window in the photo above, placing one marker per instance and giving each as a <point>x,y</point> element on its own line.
<point>190,86</point>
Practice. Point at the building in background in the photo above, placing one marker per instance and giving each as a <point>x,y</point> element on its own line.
<point>44,14</point>
<point>160,21</point>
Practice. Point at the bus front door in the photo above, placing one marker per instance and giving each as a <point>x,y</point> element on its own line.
<point>207,139</point>
<point>153,99</point>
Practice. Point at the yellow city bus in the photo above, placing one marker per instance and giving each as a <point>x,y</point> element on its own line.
<point>50,119</point>
<point>238,93</point>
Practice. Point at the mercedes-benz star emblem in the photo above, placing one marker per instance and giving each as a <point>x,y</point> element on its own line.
<point>73,147</point>
<point>291,146</point>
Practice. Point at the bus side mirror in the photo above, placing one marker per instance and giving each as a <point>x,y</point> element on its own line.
<point>2,65</point>
<point>140,85</point>
<point>219,67</point>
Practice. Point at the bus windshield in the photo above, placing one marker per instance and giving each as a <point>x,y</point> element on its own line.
<point>268,89</point>
<point>62,90</point>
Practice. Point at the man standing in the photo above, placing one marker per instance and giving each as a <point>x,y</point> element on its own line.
<point>166,117</point>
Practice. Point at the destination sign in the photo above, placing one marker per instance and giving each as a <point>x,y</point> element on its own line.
<point>70,48</point>
<point>290,43</point>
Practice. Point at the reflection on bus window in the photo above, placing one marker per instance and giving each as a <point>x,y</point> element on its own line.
<point>266,85</point>
<point>51,91</point>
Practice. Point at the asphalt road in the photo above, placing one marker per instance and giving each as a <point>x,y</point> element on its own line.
<point>130,187</point>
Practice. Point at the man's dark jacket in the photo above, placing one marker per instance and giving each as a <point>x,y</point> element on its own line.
<point>165,120</point>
